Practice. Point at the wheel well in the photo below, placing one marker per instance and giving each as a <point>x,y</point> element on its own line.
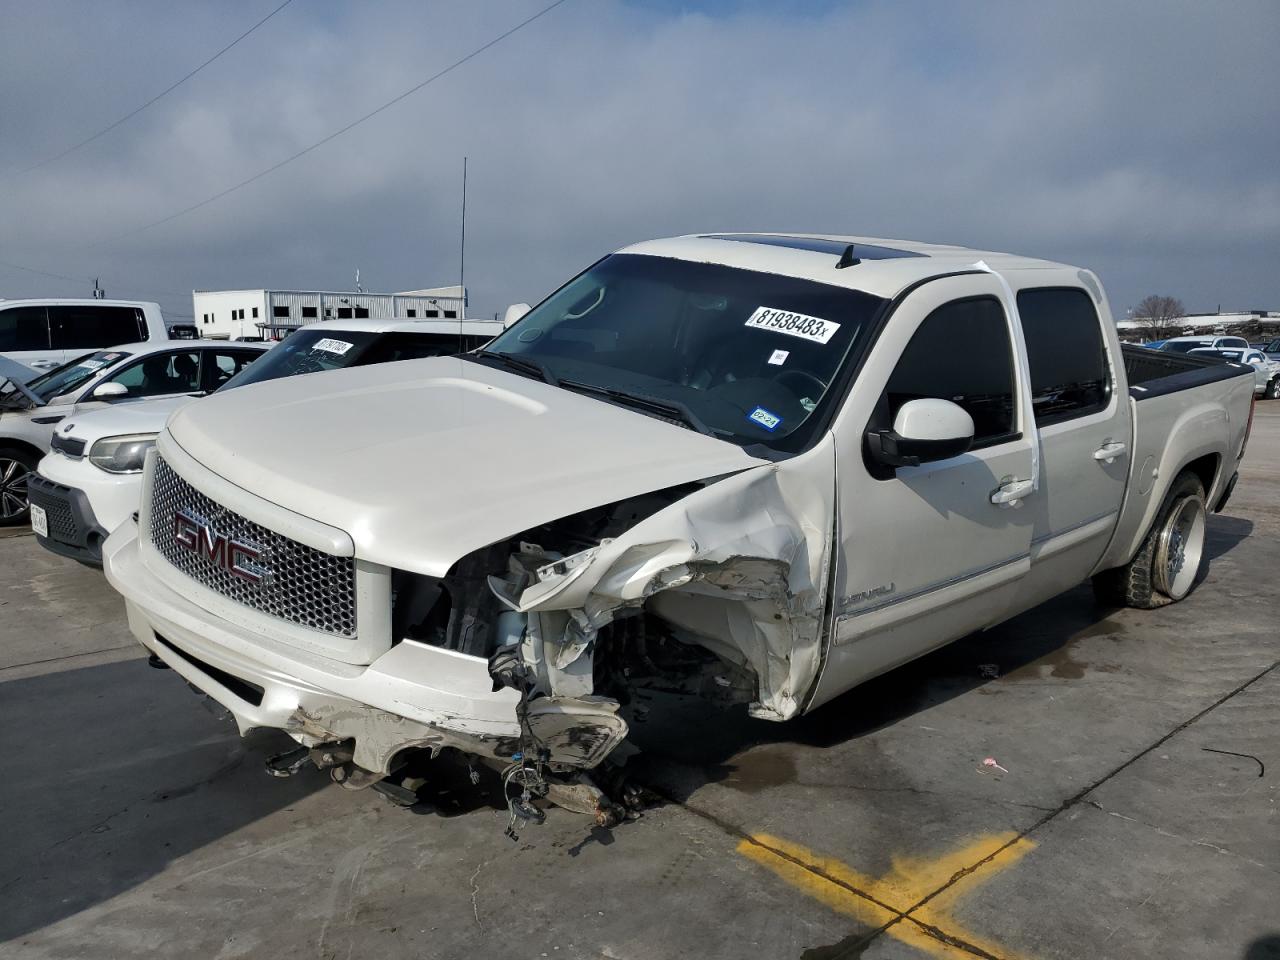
<point>1206,468</point>
<point>8,444</point>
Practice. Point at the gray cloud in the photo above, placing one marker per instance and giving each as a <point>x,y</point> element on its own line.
<point>1138,139</point>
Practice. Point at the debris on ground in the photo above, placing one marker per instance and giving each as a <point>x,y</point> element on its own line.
<point>991,762</point>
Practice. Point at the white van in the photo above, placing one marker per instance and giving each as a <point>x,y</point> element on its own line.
<point>45,333</point>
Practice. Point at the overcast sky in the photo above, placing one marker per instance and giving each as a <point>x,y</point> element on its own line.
<point>1141,140</point>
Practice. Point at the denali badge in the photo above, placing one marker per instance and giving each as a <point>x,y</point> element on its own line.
<point>235,556</point>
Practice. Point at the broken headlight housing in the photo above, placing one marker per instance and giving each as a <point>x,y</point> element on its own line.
<point>123,454</point>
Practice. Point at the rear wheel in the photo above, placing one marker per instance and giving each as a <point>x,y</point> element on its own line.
<point>16,467</point>
<point>1165,567</point>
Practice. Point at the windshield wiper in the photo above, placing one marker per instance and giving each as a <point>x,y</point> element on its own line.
<point>523,364</point>
<point>659,406</point>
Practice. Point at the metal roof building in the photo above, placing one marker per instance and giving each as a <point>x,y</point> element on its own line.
<point>273,314</point>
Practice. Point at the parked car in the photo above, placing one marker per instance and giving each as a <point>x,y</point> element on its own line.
<point>138,371</point>
<point>1187,344</point>
<point>1266,372</point>
<point>1272,349</point>
<point>43,334</point>
<point>735,466</point>
<point>91,480</point>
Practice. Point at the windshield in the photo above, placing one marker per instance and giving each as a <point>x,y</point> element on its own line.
<point>305,351</point>
<point>749,355</point>
<point>74,374</point>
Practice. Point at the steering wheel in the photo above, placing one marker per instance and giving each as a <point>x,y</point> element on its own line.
<point>809,378</point>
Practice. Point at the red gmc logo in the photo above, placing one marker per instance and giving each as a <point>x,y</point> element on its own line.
<point>234,556</point>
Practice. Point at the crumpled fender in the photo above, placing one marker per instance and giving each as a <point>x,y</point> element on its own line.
<point>743,562</point>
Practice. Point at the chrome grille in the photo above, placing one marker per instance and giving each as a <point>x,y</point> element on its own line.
<point>304,586</point>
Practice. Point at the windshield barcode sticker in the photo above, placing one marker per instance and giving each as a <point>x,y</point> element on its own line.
<point>793,324</point>
<point>332,346</point>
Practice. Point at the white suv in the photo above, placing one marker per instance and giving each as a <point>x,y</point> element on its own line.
<point>45,333</point>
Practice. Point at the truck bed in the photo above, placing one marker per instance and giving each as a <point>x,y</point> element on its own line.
<point>1154,373</point>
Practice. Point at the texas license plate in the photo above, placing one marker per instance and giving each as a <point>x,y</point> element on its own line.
<point>39,521</point>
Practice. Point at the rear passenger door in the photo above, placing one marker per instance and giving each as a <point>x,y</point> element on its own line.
<point>1084,431</point>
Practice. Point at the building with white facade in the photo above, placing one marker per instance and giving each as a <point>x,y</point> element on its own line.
<point>273,314</point>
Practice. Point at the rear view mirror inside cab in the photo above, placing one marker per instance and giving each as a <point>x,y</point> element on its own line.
<point>923,431</point>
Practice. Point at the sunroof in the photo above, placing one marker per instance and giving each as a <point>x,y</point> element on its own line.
<point>863,251</point>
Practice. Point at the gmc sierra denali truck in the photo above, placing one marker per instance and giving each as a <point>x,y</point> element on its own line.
<point>761,468</point>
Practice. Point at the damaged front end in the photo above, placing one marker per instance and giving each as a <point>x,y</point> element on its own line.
<point>714,589</point>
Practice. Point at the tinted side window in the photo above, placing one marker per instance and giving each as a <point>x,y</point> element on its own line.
<point>962,353</point>
<point>23,328</point>
<point>76,328</point>
<point>221,365</point>
<point>1069,375</point>
<point>161,374</point>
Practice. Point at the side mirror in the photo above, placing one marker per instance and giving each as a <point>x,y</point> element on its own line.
<point>514,313</point>
<point>110,391</point>
<point>923,431</point>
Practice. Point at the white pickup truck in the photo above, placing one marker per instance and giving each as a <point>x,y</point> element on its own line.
<point>762,468</point>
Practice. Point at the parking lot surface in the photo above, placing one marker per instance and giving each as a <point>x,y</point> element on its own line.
<point>1079,782</point>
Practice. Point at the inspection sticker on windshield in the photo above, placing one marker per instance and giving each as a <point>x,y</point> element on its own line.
<point>762,417</point>
<point>793,324</point>
<point>329,345</point>
<point>779,357</point>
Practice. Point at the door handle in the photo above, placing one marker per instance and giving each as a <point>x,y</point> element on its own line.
<point>44,364</point>
<point>1011,492</point>
<point>1109,451</point>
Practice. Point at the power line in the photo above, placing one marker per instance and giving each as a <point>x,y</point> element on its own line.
<point>165,92</point>
<point>333,136</point>
<point>44,273</point>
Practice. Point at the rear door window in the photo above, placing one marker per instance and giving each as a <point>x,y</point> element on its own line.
<point>978,378</point>
<point>1070,376</point>
<point>219,366</point>
<point>88,325</point>
<point>23,328</point>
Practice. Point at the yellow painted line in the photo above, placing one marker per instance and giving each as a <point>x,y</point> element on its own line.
<point>888,901</point>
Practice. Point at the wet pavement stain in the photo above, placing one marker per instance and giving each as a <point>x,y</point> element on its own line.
<point>850,948</point>
<point>757,770</point>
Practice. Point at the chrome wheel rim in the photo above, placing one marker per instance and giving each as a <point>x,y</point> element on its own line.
<point>1181,548</point>
<point>13,488</point>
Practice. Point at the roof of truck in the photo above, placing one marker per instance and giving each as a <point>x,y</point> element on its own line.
<point>885,268</point>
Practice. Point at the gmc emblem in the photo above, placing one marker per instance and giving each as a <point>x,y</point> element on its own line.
<point>236,557</point>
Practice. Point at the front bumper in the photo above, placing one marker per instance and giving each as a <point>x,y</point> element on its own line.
<point>74,531</point>
<point>414,695</point>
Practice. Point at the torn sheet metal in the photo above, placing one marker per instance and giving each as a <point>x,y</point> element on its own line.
<point>741,564</point>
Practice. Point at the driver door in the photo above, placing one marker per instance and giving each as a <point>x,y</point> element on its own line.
<point>928,554</point>
<point>153,377</point>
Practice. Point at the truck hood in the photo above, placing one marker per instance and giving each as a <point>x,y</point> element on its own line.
<point>423,461</point>
<point>144,416</point>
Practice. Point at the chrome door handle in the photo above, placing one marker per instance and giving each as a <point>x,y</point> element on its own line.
<point>1109,451</point>
<point>1011,492</point>
<point>44,364</point>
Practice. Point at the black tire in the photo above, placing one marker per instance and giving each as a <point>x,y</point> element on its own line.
<point>16,465</point>
<point>1138,583</point>
<point>1273,390</point>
